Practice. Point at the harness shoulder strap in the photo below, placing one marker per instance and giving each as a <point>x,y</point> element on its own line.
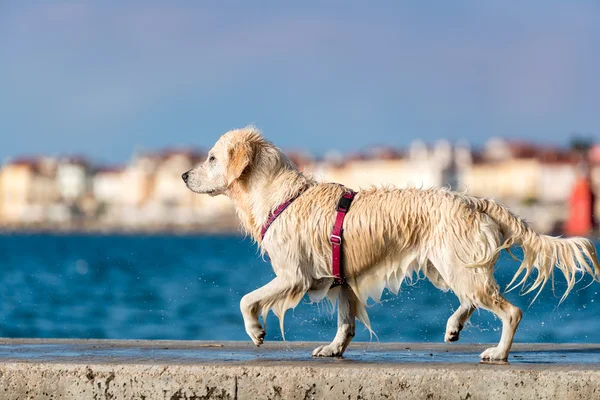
<point>336,237</point>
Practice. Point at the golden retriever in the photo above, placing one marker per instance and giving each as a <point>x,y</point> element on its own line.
<point>389,234</point>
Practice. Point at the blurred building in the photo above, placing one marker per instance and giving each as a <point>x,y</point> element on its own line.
<point>503,170</point>
<point>419,167</point>
<point>73,178</point>
<point>16,180</point>
<point>534,181</point>
<point>108,188</point>
<point>138,179</point>
<point>28,192</point>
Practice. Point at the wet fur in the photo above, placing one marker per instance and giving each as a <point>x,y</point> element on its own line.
<point>389,235</point>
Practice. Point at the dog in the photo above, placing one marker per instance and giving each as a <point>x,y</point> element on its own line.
<point>389,234</point>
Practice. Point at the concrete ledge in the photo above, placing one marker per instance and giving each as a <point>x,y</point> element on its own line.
<point>55,369</point>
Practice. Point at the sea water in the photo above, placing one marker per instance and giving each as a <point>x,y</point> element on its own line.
<point>189,288</point>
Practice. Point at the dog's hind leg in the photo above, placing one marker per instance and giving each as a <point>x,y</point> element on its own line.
<point>510,316</point>
<point>478,288</point>
<point>457,321</point>
<point>347,303</point>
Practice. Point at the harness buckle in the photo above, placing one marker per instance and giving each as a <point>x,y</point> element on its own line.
<point>335,239</point>
<point>344,203</point>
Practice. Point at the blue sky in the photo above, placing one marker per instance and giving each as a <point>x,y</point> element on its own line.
<point>105,78</point>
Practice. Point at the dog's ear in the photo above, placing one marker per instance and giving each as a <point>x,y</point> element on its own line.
<point>240,156</point>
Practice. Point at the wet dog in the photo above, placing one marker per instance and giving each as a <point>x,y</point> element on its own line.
<point>389,234</point>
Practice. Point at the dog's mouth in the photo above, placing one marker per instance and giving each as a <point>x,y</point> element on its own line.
<point>210,192</point>
<point>204,191</point>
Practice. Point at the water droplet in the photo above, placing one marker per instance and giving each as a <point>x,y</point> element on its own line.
<point>82,267</point>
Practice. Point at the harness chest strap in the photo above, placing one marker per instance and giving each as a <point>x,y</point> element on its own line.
<point>273,216</point>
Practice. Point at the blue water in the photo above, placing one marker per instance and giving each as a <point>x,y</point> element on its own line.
<point>189,287</point>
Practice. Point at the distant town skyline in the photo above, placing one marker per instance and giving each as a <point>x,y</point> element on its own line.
<point>104,79</point>
<point>148,193</point>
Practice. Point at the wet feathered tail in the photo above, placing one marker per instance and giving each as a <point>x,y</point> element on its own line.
<point>541,252</point>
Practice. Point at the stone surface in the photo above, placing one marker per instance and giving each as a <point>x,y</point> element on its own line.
<point>62,369</point>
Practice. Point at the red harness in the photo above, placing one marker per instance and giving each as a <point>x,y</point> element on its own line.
<point>336,237</point>
<point>336,234</point>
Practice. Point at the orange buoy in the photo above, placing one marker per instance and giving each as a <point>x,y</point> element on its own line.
<point>581,206</point>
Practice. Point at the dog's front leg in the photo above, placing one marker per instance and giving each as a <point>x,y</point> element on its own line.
<point>457,321</point>
<point>346,325</point>
<point>254,303</point>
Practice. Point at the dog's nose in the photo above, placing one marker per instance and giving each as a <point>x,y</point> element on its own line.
<point>184,176</point>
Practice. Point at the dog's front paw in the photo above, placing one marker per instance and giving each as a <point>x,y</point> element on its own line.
<point>329,350</point>
<point>451,336</point>
<point>256,333</point>
<point>494,354</point>
<point>452,331</point>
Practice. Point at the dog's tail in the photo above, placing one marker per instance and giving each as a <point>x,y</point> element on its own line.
<point>570,255</point>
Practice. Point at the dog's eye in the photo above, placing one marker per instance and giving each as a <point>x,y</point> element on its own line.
<point>212,158</point>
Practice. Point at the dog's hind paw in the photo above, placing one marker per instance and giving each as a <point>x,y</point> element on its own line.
<point>329,350</point>
<point>494,354</point>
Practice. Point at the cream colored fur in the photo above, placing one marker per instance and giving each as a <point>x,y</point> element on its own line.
<point>389,235</point>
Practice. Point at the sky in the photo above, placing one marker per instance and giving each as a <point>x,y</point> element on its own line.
<point>107,78</point>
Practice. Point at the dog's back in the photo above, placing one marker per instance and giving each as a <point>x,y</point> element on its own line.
<point>457,231</point>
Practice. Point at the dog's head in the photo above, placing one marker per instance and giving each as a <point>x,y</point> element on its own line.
<point>232,158</point>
